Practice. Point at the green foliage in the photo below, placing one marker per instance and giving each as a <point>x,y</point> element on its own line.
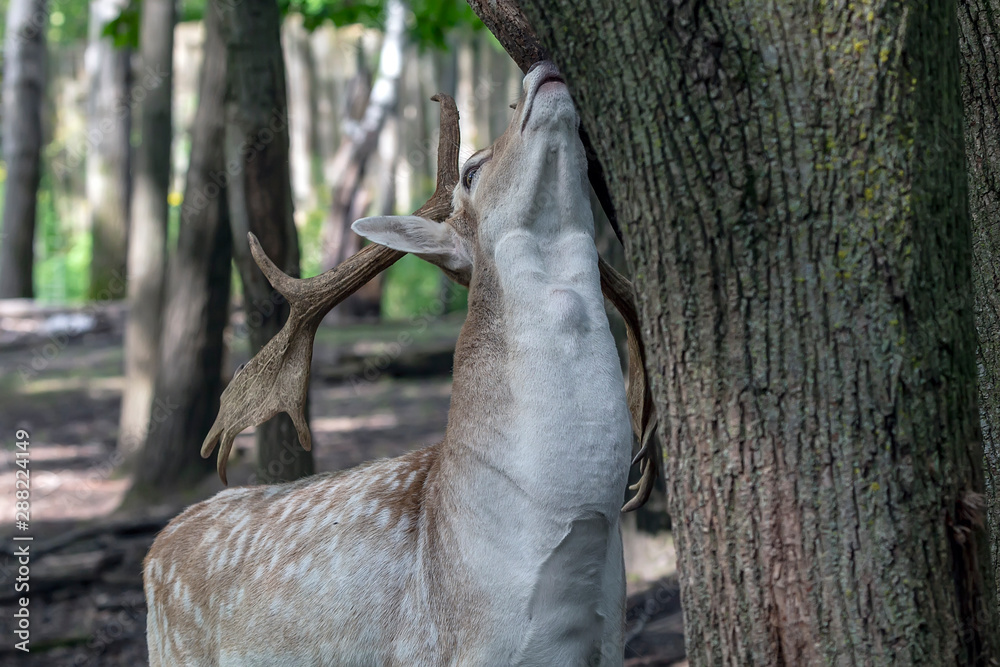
<point>411,287</point>
<point>431,21</point>
<point>62,258</point>
<point>317,12</point>
<point>124,28</point>
<point>430,24</point>
<point>67,21</point>
<point>311,244</point>
<point>414,287</point>
<point>191,10</point>
<point>62,272</point>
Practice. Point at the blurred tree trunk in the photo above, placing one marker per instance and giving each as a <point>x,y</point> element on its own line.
<point>792,188</point>
<point>360,140</point>
<point>147,252</point>
<point>109,117</point>
<point>465,96</point>
<point>260,198</point>
<point>501,84</point>
<point>301,109</point>
<point>980,31</point>
<point>327,56</point>
<point>23,95</point>
<point>196,304</point>
<point>366,303</point>
<point>339,242</point>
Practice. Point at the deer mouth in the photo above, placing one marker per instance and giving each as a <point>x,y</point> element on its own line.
<point>551,76</point>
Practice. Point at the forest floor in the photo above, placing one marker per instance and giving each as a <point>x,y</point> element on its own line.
<point>61,380</point>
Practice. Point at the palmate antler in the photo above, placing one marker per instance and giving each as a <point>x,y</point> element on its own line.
<point>277,378</point>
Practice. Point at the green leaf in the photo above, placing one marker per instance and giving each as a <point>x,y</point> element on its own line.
<point>430,23</point>
<point>124,28</point>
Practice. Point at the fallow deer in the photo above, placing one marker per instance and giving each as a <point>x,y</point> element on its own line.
<point>499,545</point>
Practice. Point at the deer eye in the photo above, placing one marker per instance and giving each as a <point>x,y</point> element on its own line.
<point>470,176</point>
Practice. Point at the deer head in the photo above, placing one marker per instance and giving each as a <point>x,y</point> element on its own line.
<point>459,222</point>
<point>493,195</point>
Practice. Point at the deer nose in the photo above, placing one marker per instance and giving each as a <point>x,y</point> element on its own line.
<point>547,67</point>
<point>547,64</point>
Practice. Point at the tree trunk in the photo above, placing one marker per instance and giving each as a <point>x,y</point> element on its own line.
<point>23,95</point>
<point>366,303</point>
<point>109,118</point>
<point>327,55</point>
<point>147,252</point>
<point>980,31</point>
<point>196,303</point>
<point>465,97</point>
<point>260,198</point>
<point>504,83</point>
<point>360,139</point>
<point>791,184</point>
<point>301,109</point>
<point>339,242</point>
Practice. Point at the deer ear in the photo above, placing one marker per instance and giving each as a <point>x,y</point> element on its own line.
<point>437,242</point>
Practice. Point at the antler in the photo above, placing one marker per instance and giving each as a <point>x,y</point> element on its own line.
<point>640,400</point>
<point>277,378</point>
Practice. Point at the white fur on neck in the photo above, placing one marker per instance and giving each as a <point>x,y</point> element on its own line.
<point>550,478</point>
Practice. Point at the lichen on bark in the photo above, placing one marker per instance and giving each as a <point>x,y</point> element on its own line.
<point>790,179</point>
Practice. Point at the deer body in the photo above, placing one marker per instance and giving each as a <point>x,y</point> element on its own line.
<point>498,546</point>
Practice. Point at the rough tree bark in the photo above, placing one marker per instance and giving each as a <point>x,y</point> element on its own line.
<point>23,95</point>
<point>980,31</point>
<point>790,180</point>
<point>109,118</point>
<point>260,199</point>
<point>147,239</point>
<point>196,299</point>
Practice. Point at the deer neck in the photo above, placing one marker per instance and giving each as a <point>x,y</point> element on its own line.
<point>538,400</point>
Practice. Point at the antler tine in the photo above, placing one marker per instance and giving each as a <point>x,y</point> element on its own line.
<point>277,378</point>
<point>640,400</point>
<point>373,258</point>
<point>281,281</point>
<point>438,207</point>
